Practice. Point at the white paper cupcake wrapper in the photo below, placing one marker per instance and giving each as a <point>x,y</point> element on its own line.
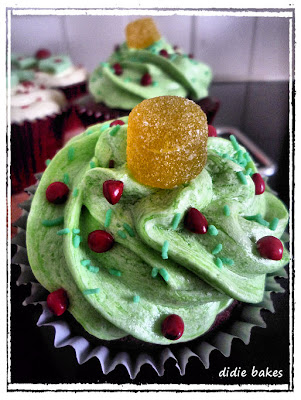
<point>222,341</point>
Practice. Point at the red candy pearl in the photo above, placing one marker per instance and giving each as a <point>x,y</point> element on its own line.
<point>211,131</point>
<point>195,221</point>
<point>58,302</point>
<point>259,183</point>
<point>118,69</point>
<point>100,241</point>
<point>172,327</point>
<point>163,53</point>
<point>270,247</point>
<point>146,79</point>
<point>57,193</point>
<point>117,122</point>
<point>112,190</point>
<point>42,54</point>
<point>27,84</point>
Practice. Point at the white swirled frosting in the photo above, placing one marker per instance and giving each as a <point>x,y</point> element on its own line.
<point>30,101</point>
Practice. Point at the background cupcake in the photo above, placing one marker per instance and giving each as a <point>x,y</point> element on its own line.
<point>144,66</point>
<point>37,118</point>
<point>54,71</point>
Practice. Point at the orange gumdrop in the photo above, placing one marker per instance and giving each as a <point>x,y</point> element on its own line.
<point>166,141</point>
<point>141,33</point>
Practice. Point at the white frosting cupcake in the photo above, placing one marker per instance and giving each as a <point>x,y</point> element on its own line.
<point>30,101</point>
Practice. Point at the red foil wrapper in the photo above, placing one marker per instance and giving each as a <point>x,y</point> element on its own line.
<point>75,91</point>
<point>32,143</point>
<point>89,112</point>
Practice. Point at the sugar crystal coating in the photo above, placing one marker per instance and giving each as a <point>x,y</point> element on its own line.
<point>166,141</point>
<point>141,33</point>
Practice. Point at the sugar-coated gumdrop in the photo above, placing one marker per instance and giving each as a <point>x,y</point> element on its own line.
<point>166,141</point>
<point>141,33</point>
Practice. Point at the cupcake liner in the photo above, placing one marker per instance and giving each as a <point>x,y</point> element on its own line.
<point>32,143</point>
<point>219,338</point>
<point>74,91</point>
<point>89,112</point>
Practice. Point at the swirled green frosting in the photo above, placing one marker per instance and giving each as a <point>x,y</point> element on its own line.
<point>136,287</point>
<point>177,75</point>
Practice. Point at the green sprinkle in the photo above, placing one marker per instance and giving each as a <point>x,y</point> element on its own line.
<point>212,230</point>
<point>47,162</point>
<point>274,224</point>
<point>217,249</point>
<point>108,217</point>
<point>249,171</point>
<point>247,156</point>
<point>63,231</point>
<point>91,130</point>
<point>241,177</point>
<point>165,250</point>
<point>225,155</point>
<point>76,241</point>
<point>218,262</point>
<point>104,64</point>
<point>114,130</point>
<point>92,164</point>
<point>176,221</point>
<point>91,291</point>
<point>75,192</point>
<point>252,217</point>
<point>127,80</point>
<point>164,274</point>
<point>227,261</point>
<point>239,156</point>
<point>155,83</point>
<point>66,179</point>
<point>75,231</point>
<point>243,163</point>
<point>226,210</point>
<point>104,127</point>
<point>257,218</point>
<point>93,269</point>
<point>173,57</point>
<point>115,272</point>
<point>53,222</point>
<point>71,152</point>
<point>234,142</point>
<point>154,272</point>
<point>136,298</point>
<point>122,234</point>
<point>85,263</point>
<point>129,229</point>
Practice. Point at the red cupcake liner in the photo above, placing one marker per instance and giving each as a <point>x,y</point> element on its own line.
<point>75,91</point>
<point>210,106</point>
<point>32,143</point>
<point>89,112</point>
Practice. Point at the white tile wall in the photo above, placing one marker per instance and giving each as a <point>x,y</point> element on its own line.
<point>225,44</point>
<point>271,50</point>
<point>237,48</point>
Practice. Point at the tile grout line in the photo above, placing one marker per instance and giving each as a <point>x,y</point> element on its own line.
<point>250,69</point>
<point>65,35</point>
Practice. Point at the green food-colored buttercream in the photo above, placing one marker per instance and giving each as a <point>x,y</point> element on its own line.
<point>193,285</point>
<point>176,75</point>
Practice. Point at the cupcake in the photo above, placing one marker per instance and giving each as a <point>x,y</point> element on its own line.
<point>144,66</point>
<point>54,71</point>
<point>154,254</point>
<point>37,117</point>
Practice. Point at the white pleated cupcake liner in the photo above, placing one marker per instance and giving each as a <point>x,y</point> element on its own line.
<point>221,339</point>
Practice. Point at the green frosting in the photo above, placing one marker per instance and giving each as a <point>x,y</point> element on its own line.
<point>131,288</point>
<point>177,75</point>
